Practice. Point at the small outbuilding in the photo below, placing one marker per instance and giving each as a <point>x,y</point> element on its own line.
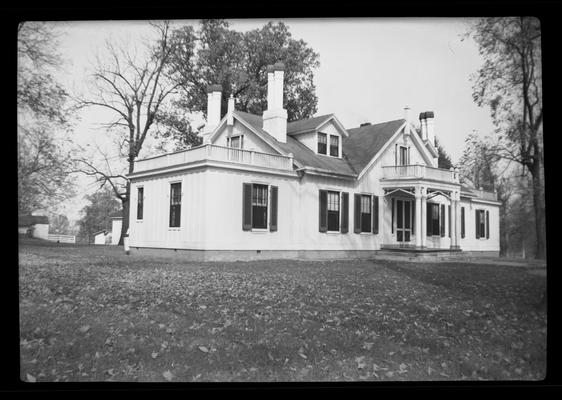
<point>36,226</point>
<point>102,237</point>
<point>116,224</point>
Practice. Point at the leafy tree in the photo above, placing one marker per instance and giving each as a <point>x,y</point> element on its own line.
<point>131,85</point>
<point>510,84</point>
<point>216,54</point>
<point>43,159</point>
<point>59,224</point>
<point>96,215</point>
<point>443,159</point>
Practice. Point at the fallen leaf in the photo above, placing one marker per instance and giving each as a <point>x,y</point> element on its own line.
<point>84,328</point>
<point>168,375</point>
<point>31,378</point>
<point>154,354</point>
<point>203,349</point>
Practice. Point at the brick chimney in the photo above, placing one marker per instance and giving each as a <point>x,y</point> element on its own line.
<point>430,128</point>
<point>423,126</point>
<point>275,117</point>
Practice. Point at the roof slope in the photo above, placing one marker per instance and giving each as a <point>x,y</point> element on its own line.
<point>304,125</point>
<point>366,141</point>
<point>28,220</point>
<point>301,153</point>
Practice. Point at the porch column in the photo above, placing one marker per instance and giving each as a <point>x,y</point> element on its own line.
<point>457,230</point>
<point>419,218</point>
<point>423,216</point>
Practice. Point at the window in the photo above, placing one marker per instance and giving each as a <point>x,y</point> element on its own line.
<point>403,155</point>
<point>330,208</point>
<point>236,142</point>
<point>334,146</point>
<point>140,201</point>
<point>365,213</point>
<point>259,206</point>
<point>322,142</point>
<point>175,205</point>
<point>482,224</point>
<point>433,219</point>
<point>333,211</point>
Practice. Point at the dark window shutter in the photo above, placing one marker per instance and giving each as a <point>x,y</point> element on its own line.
<point>345,212</point>
<point>247,206</point>
<point>323,212</point>
<point>477,228</point>
<point>357,214</point>
<point>487,225</point>
<point>462,222</point>
<point>429,219</point>
<point>273,218</point>
<point>449,214</point>
<point>442,218</point>
<point>375,214</point>
<point>392,218</point>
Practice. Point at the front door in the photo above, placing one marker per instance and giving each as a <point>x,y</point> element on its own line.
<point>403,220</point>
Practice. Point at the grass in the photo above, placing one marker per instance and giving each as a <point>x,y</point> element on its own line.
<point>91,313</point>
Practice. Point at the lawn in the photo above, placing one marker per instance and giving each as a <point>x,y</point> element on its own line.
<point>94,314</point>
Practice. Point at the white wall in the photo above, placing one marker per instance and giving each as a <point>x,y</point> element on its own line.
<point>116,224</point>
<point>99,238</point>
<point>482,244</point>
<point>41,231</point>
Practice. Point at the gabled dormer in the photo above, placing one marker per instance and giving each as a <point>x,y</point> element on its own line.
<point>323,135</point>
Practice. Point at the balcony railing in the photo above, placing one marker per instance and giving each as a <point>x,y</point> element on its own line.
<point>420,172</point>
<point>485,195</point>
<point>216,153</point>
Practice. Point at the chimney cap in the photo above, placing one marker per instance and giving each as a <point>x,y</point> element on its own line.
<point>279,66</point>
<point>422,116</point>
<point>214,88</point>
<point>270,69</point>
<point>429,114</point>
<point>365,124</point>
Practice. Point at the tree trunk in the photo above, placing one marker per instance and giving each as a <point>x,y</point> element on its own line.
<point>538,205</point>
<point>126,205</point>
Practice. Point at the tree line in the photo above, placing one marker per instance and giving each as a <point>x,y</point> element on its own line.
<point>155,90</point>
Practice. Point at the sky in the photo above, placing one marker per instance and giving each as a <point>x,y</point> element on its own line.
<point>370,69</point>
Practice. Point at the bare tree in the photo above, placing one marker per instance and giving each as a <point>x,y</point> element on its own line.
<point>133,87</point>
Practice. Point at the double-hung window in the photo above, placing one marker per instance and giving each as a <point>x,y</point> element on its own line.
<point>366,213</point>
<point>259,207</point>
<point>322,143</point>
<point>235,142</point>
<point>482,224</point>
<point>334,145</point>
<point>175,205</point>
<point>334,211</point>
<point>140,203</point>
<point>403,155</point>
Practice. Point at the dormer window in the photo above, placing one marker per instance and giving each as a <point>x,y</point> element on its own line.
<point>322,143</point>
<point>334,146</point>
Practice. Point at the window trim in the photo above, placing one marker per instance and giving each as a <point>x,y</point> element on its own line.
<point>318,136</point>
<point>337,146</point>
<point>370,197</point>
<point>339,210</point>
<point>267,207</point>
<point>229,141</point>
<point>170,205</point>
<point>142,204</point>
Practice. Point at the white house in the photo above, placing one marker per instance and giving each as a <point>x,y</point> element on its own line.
<point>102,237</point>
<point>262,187</point>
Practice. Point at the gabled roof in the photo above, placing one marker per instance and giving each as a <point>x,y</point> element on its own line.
<point>306,125</point>
<point>302,154</point>
<point>366,141</point>
<point>28,220</point>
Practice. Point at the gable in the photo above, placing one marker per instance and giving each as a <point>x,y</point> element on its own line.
<point>251,140</point>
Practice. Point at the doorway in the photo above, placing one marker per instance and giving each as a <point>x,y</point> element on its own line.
<point>403,220</point>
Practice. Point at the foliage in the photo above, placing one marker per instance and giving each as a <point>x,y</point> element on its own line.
<point>443,158</point>
<point>91,314</point>
<point>216,54</point>
<point>96,215</point>
<point>59,224</point>
<point>43,159</point>
<point>510,84</point>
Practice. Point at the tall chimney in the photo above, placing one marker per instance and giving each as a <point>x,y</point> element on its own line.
<point>230,110</point>
<point>423,126</point>
<point>214,94</point>
<point>430,128</point>
<point>275,117</point>
<point>407,118</point>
